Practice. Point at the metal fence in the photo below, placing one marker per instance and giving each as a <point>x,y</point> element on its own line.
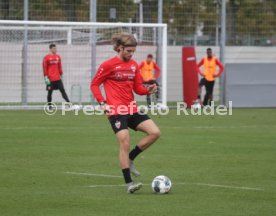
<point>21,73</point>
<point>248,35</point>
<point>190,22</point>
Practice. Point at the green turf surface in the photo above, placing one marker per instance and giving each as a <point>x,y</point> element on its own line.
<point>219,165</point>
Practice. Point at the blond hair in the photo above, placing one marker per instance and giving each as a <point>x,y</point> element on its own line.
<point>123,39</point>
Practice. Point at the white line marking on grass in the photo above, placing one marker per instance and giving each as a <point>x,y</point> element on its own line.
<point>229,127</point>
<point>25,128</point>
<point>177,183</point>
<point>120,185</point>
<point>93,174</point>
<point>185,183</point>
<point>97,186</point>
<point>44,128</point>
<point>222,186</point>
<point>220,127</point>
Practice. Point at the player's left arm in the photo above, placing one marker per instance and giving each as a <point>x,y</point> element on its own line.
<point>141,65</point>
<point>157,70</point>
<point>60,67</point>
<point>45,66</point>
<point>221,68</point>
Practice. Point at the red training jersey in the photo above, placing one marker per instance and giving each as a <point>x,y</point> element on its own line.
<point>119,78</point>
<point>52,67</point>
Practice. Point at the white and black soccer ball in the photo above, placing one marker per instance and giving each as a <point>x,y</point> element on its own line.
<point>161,184</point>
<point>160,106</point>
<point>196,106</point>
<point>76,107</point>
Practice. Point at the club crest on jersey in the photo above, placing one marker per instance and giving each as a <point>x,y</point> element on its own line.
<point>133,68</point>
<point>117,124</point>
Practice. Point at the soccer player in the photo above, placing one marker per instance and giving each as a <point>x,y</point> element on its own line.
<point>52,70</point>
<point>209,74</point>
<point>121,76</point>
<point>147,68</point>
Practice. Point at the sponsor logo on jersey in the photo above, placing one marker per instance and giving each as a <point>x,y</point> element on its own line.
<point>118,76</point>
<point>53,60</point>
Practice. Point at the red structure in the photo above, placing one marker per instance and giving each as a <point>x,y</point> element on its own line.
<point>190,76</point>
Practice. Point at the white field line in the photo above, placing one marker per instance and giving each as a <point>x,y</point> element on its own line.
<point>103,186</point>
<point>185,183</point>
<point>219,127</point>
<point>177,183</point>
<point>45,128</point>
<point>222,186</point>
<point>93,174</point>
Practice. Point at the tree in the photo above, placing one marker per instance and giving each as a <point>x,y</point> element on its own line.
<point>69,7</point>
<point>5,8</point>
<point>245,18</point>
<point>11,9</point>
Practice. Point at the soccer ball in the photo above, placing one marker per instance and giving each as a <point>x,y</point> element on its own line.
<point>161,184</point>
<point>196,106</point>
<point>161,106</point>
<point>76,107</point>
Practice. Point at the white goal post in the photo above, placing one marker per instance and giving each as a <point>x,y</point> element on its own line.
<point>82,47</point>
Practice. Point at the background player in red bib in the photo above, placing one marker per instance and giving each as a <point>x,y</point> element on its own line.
<point>52,69</point>
<point>121,76</point>
<point>147,67</point>
<point>209,74</point>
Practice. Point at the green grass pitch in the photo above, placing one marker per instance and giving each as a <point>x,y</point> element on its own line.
<point>219,165</point>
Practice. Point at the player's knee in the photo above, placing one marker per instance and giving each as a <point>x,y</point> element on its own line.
<point>124,144</point>
<point>155,133</point>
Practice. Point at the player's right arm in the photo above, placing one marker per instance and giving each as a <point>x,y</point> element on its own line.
<point>45,66</point>
<point>198,67</point>
<point>100,76</point>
